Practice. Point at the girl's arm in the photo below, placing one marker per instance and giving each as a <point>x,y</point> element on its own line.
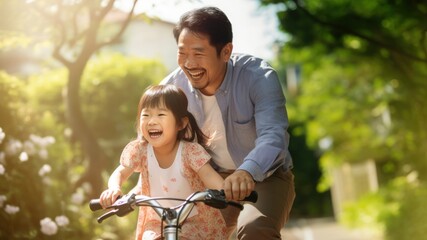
<point>210,177</point>
<point>115,182</point>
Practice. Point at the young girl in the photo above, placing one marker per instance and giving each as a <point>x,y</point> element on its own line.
<point>170,164</point>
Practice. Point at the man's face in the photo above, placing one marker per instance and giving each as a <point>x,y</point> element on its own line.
<point>204,68</point>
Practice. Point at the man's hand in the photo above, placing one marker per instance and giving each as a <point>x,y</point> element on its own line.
<point>238,185</point>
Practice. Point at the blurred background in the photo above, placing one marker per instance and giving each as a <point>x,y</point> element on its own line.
<point>354,74</point>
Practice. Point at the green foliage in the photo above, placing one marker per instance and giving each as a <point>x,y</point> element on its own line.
<point>306,169</point>
<point>398,208</point>
<point>33,169</point>
<point>110,92</point>
<point>361,94</point>
<point>11,95</point>
<point>112,85</point>
<point>343,107</point>
<point>111,88</point>
<point>368,213</point>
<point>410,223</point>
<point>375,25</point>
<point>18,26</point>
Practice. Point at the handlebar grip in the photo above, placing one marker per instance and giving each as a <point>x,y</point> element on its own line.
<point>253,197</point>
<point>95,205</point>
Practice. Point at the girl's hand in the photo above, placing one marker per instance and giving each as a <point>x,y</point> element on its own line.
<point>109,196</point>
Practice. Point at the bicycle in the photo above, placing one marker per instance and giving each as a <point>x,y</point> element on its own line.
<point>172,217</point>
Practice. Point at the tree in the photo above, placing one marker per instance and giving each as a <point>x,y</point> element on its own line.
<point>390,36</point>
<point>362,92</point>
<point>75,30</point>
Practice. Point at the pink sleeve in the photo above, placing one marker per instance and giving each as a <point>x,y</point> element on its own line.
<point>196,155</point>
<point>133,155</point>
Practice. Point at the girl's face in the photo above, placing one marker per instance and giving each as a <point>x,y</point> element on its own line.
<point>159,126</point>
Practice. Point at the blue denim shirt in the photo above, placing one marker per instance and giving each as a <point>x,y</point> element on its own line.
<point>253,109</point>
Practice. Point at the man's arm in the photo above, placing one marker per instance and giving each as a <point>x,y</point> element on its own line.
<point>271,144</point>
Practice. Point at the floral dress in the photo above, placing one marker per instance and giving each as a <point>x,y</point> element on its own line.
<point>207,224</point>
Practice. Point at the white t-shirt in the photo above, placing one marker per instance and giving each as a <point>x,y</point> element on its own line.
<point>168,182</point>
<point>214,128</point>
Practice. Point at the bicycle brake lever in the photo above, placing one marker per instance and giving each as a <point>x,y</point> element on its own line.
<point>121,207</point>
<point>124,205</point>
<point>107,215</point>
<point>215,199</point>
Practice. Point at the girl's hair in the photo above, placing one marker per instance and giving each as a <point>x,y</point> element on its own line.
<point>174,99</point>
<point>208,21</point>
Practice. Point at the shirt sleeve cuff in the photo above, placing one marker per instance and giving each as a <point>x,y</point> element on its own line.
<point>254,169</point>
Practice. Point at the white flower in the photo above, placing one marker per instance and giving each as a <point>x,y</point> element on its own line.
<point>49,140</point>
<point>326,143</point>
<point>87,188</point>
<point>2,135</point>
<point>48,226</point>
<point>2,170</point>
<point>10,209</point>
<point>68,132</point>
<point>29,147</point>
<point>13,147</point>
<point>43,154</point>
<point>35,139</point>
<point>77,198</point>
<point>45,169</point>
<point>62,221</point>
<point>42,141</point>
<point>23,157</point>
<point>47,181</point>
<point>3,199</point>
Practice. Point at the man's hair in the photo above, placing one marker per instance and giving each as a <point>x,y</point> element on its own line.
<point>208,21</point>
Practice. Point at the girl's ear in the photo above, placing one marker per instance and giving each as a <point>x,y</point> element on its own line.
<point>185,121</point>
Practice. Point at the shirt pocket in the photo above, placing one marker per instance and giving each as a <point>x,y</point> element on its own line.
<point>245,134</point>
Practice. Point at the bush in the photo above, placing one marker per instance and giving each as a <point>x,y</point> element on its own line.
<point>40,164</point>
<point>397,211</point>
<point>410,222</point>
<point>35,201</point>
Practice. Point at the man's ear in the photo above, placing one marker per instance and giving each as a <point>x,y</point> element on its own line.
<point>226,52</point>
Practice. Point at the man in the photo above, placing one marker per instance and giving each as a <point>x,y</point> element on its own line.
<point>239,102</point>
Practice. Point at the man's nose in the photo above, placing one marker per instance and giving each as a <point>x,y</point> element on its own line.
<point>190,62</point>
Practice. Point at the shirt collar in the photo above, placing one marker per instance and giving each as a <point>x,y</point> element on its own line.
<point>223,88</point>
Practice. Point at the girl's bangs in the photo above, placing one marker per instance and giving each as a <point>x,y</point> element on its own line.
<point>154,100</point>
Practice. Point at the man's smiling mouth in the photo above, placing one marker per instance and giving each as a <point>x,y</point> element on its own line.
<point>195,74</point>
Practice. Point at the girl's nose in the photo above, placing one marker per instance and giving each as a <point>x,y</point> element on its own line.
<point>152,121</point>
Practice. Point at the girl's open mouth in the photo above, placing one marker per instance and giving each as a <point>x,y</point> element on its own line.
<point>155,133</point>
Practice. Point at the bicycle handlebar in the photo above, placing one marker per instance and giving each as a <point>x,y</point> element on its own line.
<point>126,203</point>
